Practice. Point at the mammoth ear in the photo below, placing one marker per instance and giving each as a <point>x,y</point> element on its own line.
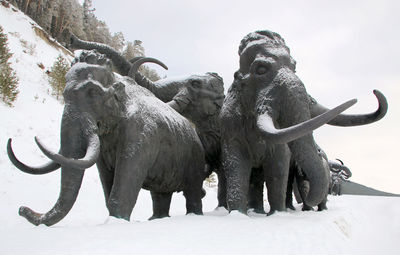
<point>195,83</point>
<point>108,64</point>
<point>94,90</point>
<point>119,91</point>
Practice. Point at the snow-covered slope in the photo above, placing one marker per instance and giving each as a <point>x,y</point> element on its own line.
<point>352,225</point>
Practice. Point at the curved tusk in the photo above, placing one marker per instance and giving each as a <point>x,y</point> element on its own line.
<point>348,120</point>
<point>89,160</point>
<point>135,66</point>
<point>285,135</point>
<point>134,59</point>
<point>44,169</point>
<point>336,168</point>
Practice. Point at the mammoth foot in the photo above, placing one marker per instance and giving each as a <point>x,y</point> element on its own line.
<point>272,211</point>
<point>33,217</point>
<point>307,208</point>
<point>154,217</point>
<point>257,210</point>
<point>203,193</point>
<point>290,206</point>
<point>322,207</point>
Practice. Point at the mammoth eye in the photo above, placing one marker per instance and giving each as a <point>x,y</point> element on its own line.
<point>262,69</point>
<point>237,75</point>
<point>94,91</point>
<point>196,84</point>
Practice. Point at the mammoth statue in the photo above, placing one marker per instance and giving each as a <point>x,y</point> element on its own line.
<point>299,184</point>
<point>267,119</point>
<point>136,140</point>
<point>198,98</point>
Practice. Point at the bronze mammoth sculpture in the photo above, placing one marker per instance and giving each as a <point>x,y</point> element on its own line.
<point>197,97</point>
<point>136,140</point>
<point>267,118</point>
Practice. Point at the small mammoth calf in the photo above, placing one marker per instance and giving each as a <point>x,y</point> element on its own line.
<point>136,140</point>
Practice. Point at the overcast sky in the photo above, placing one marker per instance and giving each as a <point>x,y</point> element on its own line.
<point>343,49</point>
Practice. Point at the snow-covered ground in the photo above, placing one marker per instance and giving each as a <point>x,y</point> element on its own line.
<point>352,225</point>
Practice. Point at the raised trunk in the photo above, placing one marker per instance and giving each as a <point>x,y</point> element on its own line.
<point>348,120</point>
<point>121,64</point>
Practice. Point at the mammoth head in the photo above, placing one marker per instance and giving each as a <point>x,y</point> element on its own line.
<point>268,49</point>
<point>91,87</point>
<point>92,100</point>
<point>270,91</point>
<point>92,57</point>
<point>207,92</point>
<point>203,95</point>
<point>265,64</point>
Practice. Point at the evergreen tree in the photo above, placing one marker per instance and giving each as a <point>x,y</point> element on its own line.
<point>129,51</point>
<point>59,17</point>
<point>88,19</point>
<point>211,180</point>
<point>8,77</point>
<point>118,41</point>
<point>57,76</point>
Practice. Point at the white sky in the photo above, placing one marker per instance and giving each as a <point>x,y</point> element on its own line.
<point>343,49</point>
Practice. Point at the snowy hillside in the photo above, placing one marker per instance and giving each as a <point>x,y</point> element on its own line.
<point>352,225</point>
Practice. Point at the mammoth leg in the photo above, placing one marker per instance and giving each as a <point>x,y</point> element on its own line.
<point>128,180</point>
<point>161,204</point>
<point>236,163</point>
<point>221,188</point>
<point>106,176</point>
<point>290,186</point>
<point>193,190</point>
<point>303,189</point>
<point>276,172</point>
<point>322,206</point>
<point>256,198</point>
<point>193,197</point>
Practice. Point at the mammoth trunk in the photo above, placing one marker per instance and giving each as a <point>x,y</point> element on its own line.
<point>75,144</point>
<point>118,60</point>
<point>122,65</point>
<point>304,152</point>
<point>71,180</point>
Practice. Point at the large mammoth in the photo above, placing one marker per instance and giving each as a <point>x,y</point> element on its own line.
<point>135,139</point>
<point>197,97</point>
<point>266,120</point>
<point>261,127</point>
